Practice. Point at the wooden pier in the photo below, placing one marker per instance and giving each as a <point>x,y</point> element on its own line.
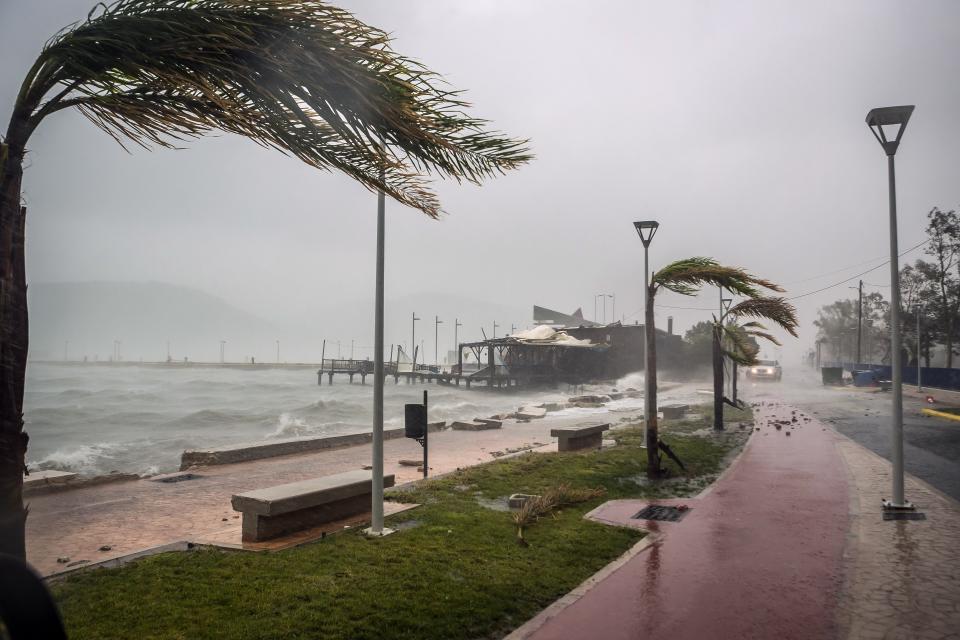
<point>421,374</point>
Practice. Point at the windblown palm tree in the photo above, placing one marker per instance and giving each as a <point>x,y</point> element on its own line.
<point>738,346</point>
<point>686,277</point>
<point>300,76</point>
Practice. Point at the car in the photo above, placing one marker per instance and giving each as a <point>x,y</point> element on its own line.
<point>765,370</point>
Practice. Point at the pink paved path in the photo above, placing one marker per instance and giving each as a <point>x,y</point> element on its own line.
<point>759,556</point>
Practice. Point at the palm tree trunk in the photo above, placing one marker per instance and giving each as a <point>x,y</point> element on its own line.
<point>717,380</point>
<point>13,353</point>
<point>650,379</point>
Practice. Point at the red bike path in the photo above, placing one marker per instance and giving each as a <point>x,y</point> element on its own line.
<point>758,556</point>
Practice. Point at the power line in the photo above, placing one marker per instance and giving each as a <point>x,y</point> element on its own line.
<point>830,273</point>
<point>837,284</point>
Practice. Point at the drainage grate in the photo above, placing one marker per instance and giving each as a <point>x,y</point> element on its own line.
<point>175,477</point>
<point>904,515</point>
<point>663,513</point>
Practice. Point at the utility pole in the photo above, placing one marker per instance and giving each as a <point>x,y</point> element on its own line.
<point>495,325</point>
<point>278,352</point>
<point>919,381</point>
<point>859,319</point>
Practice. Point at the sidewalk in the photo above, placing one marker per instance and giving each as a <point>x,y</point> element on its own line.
<point>789,543</point>
<point>130,516</point>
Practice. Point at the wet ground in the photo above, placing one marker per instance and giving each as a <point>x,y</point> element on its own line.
<point>931,445</point>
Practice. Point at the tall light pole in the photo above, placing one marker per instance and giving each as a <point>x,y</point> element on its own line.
<point>223,351</point>
<point>436,339</point>
<point>495,325</point>
<point>278,351</point>
<point>376,507</point>
<point>456,325</point>
<point>413,337</point>
<point>646,229</point>
<point>877,119</point>
<point>613,307</point>
<point>859,289</point>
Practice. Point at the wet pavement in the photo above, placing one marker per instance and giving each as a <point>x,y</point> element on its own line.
<point>134,515</point>
<point>789,543</point>
<point>759,556</point>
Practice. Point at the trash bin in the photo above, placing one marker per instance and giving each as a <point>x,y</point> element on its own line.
<point>831,375</point>
<point>866,378</point>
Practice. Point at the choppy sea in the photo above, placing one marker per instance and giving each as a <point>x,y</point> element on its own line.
<point>96,419</point>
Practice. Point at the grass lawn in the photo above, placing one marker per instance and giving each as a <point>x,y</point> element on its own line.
<point>454,570</point>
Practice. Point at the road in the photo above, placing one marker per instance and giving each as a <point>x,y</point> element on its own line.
<point>931,445</point>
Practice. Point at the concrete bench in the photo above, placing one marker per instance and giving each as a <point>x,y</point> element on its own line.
<point>287,508</point>
<point>577,438</point>
<point>672,411</point>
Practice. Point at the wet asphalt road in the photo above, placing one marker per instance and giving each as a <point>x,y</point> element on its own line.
<point>931,445</point>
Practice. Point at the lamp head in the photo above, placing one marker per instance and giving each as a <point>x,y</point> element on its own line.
<point>882,117</point>
<point>646,229</point>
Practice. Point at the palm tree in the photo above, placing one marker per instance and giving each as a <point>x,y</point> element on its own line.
<point>686,277</point>
<point>738,346</point>
<point>302,77</point>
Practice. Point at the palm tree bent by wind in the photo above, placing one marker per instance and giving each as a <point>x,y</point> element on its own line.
<point>738,347</point>
<point>687,277</point>
<point>299,76</point>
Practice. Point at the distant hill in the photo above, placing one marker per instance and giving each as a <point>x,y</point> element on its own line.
<point>143,316</point>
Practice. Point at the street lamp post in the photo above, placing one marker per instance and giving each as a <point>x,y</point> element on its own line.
<point>376,507</point>
<point>495,325</point>
<point>413,340</point>
<point>877,119</point>
<point>278,351</point>
<point>436,340</point>
<point>456,325</point>
<point>646,229</point>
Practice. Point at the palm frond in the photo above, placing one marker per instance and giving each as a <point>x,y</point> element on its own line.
<point>776,310</point>
<point>741,349</point>
<point>300,76</point>
<point>687,276</point>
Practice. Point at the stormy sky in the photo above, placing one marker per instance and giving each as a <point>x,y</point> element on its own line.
<point>738,125</point>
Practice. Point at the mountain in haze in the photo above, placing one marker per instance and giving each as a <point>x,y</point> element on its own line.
<point>85,318</point>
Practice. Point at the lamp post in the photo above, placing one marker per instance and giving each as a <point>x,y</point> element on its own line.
<point>436,339</point>
<point>877,119</point>
<point>646,229</point>
<point>376,506</point>
<point>278,351</point>
<point>456,325</point>
<point>413,339</point>
<point>613,308</point>
<point>495,325</point>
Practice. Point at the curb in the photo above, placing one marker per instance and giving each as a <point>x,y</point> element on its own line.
<point>941,414</point>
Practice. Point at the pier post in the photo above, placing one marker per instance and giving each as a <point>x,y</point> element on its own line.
<point>330,378</point>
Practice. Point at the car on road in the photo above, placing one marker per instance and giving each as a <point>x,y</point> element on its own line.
<point>765,370</point>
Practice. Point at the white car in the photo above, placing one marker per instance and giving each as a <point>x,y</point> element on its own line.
<point>765,370</point>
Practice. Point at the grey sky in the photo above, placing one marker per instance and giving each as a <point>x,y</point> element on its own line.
<point>738,125</point>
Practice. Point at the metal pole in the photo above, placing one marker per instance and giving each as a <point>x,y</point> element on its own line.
<point>646,303</point>
<point>278,352</point>
<point>426,436</point>
<point>859,319</point>
<point>897,418</point>
<point>376,510</point>
<point>919,381</point>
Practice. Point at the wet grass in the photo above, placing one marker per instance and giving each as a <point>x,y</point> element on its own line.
<point>454,571</point>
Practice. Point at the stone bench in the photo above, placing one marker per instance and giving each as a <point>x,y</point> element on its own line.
<point>287,508</point>
<point>673,411</point>
<point>577,438</point>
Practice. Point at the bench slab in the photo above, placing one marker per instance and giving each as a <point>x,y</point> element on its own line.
<point>275,511</point>
<point>579,438</point>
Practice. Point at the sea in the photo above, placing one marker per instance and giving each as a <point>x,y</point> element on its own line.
<point>97,419</point>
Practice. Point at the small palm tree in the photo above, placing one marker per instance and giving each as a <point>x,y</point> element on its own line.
<point>300,76</point>
<point>739,346</point>
<point>686,277</point>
